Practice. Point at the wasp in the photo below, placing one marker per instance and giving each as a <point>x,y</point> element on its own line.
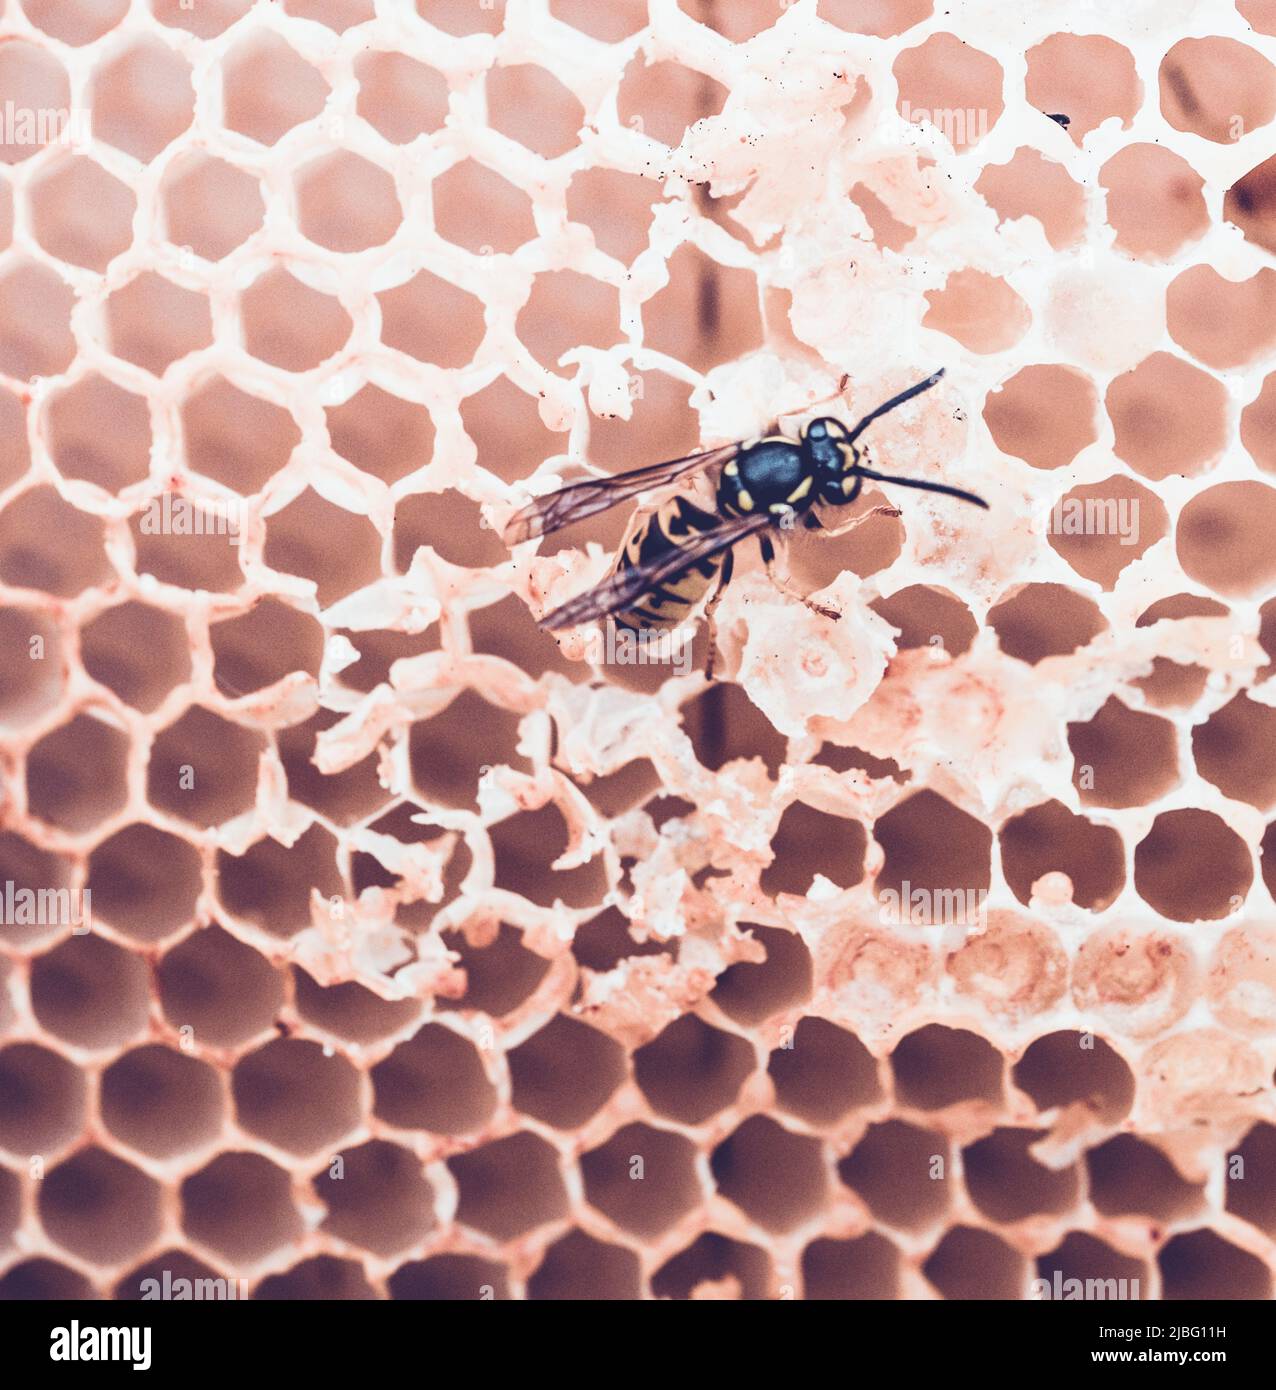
<point>764,486</point>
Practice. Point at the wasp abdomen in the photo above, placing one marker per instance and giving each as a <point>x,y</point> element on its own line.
<point>654,536</point>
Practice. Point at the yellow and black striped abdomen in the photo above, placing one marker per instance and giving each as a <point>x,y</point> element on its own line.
<point>651,538</point>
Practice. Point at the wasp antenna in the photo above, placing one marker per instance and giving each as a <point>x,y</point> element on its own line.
<point>893,403</point>
<point>924,486</point>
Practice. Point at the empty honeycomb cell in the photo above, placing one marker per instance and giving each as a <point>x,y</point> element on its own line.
<point>1066,1067</point>
<point>711,1262</point>
<point>449,1278</point>
<point>1007,1183</point>
<point>970,1263</point>
<point>451,524</point>
<point>434,1081</point>
<point>608,24</point>
<point>936,1067</point>
<point>343,797</point>
<point>44,1280</point>
<point>936,849</point>
<point>262,646</point>
<point>378,651</point>
<point>270,883</point>
<point>1222,322</point>
<point>1235,748</point>
<point>162,1103</point>
<point>615,206</point>
<point>663,99</point>
<point>643,1179</point>
<point>31,869</point>
<point>1172,685</point>
<point>1168,418</point>
<point>100,433</point>
<point>578,1267</point>
<point>376,1197</point>
<point>1029,185</point>
<point>323,1278</point>
<point>822,1072</point>
<point>866,1267</point>
<point>1100,528</point>
<point>35,322</point>
<point>856,759</point>
<point>662,426</point>
<point>507,430</point>
<point>447,760</point>
<point>400,97</point>
<point>217,992</point>
<point>148,1280</point>
<point>338,15</point>
<point>604,941</point>
<point>706,314</point>
<point>81,214</point>
<point>90,992</point>
<point>206,21</point>
<point>197,549</point>
<point>346,204</point>
<point>565,1072</point>
<point>1036,621</point>
<point>901,1172</point>
<point>691,1072</point>
<point>1223,538</point>
<point>33,679</point>
<point>740,22</point>
<point>1259,14</point>
<point>1191,866</point>
<point>1248,204</point>
<point>1051,839</point>
<point>142,99</point>
<point>1129,1175</point>
<point>34,81</point>
<point>744,1167</point>
<point>530,105</point>
<point>381,434</point>
<point>235,438</point>
<point>1258,426</point>
<point>210,206</point>
<point>508,630</point>
<point>290,324</point>
<point>750,991</point>
<point>295,1095</point>
<point>81,25</point>
<point>153,323</point>
<point>15,451</point>
<point>338,550</point>
<point>268,88</point>
<point>951,85</point>
<point>566,310</point>
<point>1043,414</point>
<point>350,1011</point>
<point>203,768</point>
<point>1251,1193</point>
<point>1087,77</point>
<point>41,1099</point>
<point>1102,1271</point>
<point>1154,203</point>
<point>1201,1264</point>
<point>432,320</point>
<point>525,847</point>
<point>883,19</point>
<point>979,311</point>
<point>99,1207</point>
<point>1217,88</point>
<point>499,975</point>
<point>887,231</point>
<point>509,1187</point>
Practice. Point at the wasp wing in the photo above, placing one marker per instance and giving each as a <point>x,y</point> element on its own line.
<point>579,500</point>
<point>622,589</point>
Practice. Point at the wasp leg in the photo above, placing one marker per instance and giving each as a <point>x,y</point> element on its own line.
<point>831,531</point>
<point>710,608</point>
<point>777,572</point>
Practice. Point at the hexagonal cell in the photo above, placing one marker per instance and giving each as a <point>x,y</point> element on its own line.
<point>714,1262</point>
<point>952,86</point>
<point>744,1166</point>
<point>137,651</point>
<point>78,25</point>
<point>142,99</point>
<point>1168,416</point>
<point>565,1072</point>
<point>1258,426</point>
<point>1029,185</point>
<point>979,311</point>
<point>339,551</point>
<point>936,849</point>
<point>381,434</point>
<point>1129,1175</point>
<point>808,842</point>
<point>1155,204</point>
<point>77,775</point>
<point>1221,322</point>
<point>33,679</point>
<point>82,214</point>
<point>188,543</point>
<point>823,1072</point>
<point>1007,1183</point>
<point>578,1267</point>
<point>15,451</point>
<point>705,315</point>
<point>1219,89</point>
<point>566,310</point>
<point>1223,536</point>
<point>291,325</point>
<point>1192,866</point>
<point>206,20</point>
<point>1251,1194</point>
<point>1100,528</point>
<point>1088,1267</point>
<point>210,206</point>
<point>400,97</point>
<point>349,1011</point>
<point>234,438</point>
<point>217,992</point>
<point>1235,749</point>
<point>35,322</point>
<point>928,617</point>
<point>181,1274</point>
<point>100,433</point>
<point>451,525</point>
<point>338,15</point>
<point>1248,204</point>
<point>152,322</point>
<point>145,882</point>
<point>90,992</point>
<point>901,1172</point>
<point>509,1187</point>
<point>32,871</point>
<point>691,1071</point>
<point>1044,414</point>
<point>750,992</point>
<point>41,1100</point>
<point>323,1278</point>
<point>270,883</point>
<point>268,89</point>
<point>1065,1067</point>
<point>475,208</point>
<point>99,1207</point>
<point>446,758</point>
<point>434,1081</point>
<point>500,972</point>
<point>1202,1265</point>
<point>866,1267</point>
<point>525,848</point>
<point>162,1102</point>
<point>343,797</point>
<point>1035,621</point>
<point>1051,839</point>
<point>974,1264</point>
<point>724,724</point>
<point>616,207</point>
<point>507,430</point>
<point>1123,757</point>
<point>34,81</point>
<point>508,630</point>
<point>643,1179</point>
<point>376,1197</point>
<point>345,203</point>
<point>449,1278</point>
<point>44,1280</point>
<point>935,1067</point>
<point>269,642</point>
<point>203,769</point>
<point>432,320</point>
<point>295,1096</point>
<point>1089,77</point>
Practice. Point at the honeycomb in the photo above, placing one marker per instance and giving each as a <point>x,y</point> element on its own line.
<point>362,940</point>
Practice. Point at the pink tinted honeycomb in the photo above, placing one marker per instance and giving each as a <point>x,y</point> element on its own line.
<point>432,958</point>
